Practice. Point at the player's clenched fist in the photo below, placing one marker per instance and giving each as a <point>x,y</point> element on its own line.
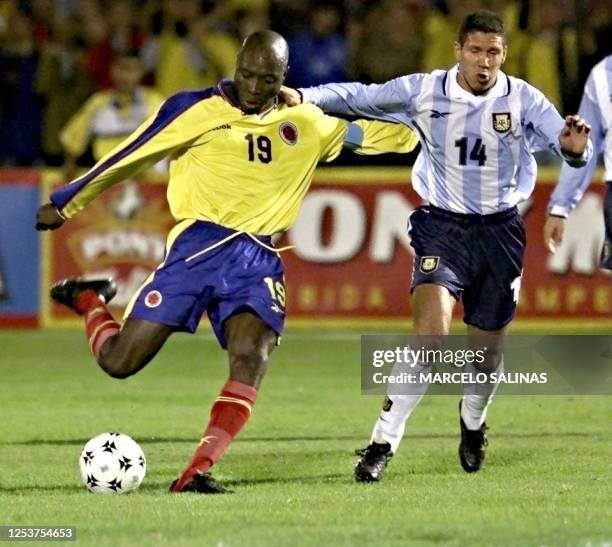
<point>48,217</point>
<point>575,135</point>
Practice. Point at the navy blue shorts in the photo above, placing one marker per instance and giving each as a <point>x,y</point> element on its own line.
<point>606,252</point>
<point>478,258</point>
<point>202,272</point>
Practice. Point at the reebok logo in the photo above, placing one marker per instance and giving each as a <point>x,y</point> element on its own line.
<point>438,114</point>
<point>222,126</point>
<point>274,307</point>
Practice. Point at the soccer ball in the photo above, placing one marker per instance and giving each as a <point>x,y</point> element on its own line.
<point>112,463</point>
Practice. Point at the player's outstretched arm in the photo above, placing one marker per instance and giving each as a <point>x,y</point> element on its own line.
<point>360,136</point>
<point>178,122</point>
<point>377,137</point>
<point>392,101</point>
<point>48,217</point>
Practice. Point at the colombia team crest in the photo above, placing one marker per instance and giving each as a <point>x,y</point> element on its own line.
<point>429,264</point>
<point>153,299</point>
<point>288,132</point>
<point>502,121</point>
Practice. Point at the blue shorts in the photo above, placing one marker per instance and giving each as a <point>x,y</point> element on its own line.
<point>478,258</point>
<point>202,272</point>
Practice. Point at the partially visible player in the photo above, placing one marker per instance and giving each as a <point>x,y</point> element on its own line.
<point>241,164</point>
<point>478,129</point>
<point>109,116</point>
<point>596,109</point>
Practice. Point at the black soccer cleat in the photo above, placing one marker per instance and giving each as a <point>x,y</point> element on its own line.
<point>202,483</point>
<point>473,446</point>
<point>67,291</point>
<point>373,462</point>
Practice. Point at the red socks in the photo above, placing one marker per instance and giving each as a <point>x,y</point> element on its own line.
<point>229,413</point>
<point>99,323</point>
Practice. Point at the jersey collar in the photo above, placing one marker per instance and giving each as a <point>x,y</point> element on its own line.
<point>455,91</point>
<point>228,92</point>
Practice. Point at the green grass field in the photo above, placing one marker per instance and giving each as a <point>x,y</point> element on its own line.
<point>547,480</point>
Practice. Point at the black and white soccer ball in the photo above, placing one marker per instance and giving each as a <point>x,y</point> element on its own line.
<point>112,463</point>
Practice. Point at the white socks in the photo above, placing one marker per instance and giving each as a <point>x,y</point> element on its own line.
<point>474,405</point>
<point>391,423</point>
<point>389,428</point>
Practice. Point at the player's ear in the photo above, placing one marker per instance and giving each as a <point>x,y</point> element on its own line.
<point>504,54</point>
<point>457,51</point>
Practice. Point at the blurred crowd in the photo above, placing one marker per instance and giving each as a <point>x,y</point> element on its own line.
<point>69,66</point>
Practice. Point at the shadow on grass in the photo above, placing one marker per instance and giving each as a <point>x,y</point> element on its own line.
<point>157,487</point>
<point>57,488</point>
<point>163,440</point>
<point>337,477</point>
<point>323,438</point>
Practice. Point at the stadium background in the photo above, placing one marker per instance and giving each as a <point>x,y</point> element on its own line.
<point>351,261</point>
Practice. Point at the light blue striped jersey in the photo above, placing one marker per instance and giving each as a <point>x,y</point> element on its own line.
<point>595,108</point>
<point>476,154</point>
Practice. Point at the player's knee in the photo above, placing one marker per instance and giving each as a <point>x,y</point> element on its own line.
<point>115,371</point>
<point>431,326</point>
<point>119,374</point>
<point>249,351</point>
<point>249,357</point>
<point>429,343</point>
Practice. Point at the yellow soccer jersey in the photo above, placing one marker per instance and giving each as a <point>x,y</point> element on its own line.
<point>104,122</point>
<point>247,172</point>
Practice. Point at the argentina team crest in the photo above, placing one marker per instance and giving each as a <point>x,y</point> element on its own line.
<point>288,132</point>
<point>502,121</point>
<point>429,264</point>
<point>387,404</point>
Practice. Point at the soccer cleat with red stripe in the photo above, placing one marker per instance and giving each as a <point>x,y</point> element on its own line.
<point>67,291</point>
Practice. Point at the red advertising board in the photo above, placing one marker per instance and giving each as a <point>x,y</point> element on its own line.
<point>121,234</point>
<point>351,262</point>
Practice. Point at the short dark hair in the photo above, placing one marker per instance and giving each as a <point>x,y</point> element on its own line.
<point>481,21</point>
